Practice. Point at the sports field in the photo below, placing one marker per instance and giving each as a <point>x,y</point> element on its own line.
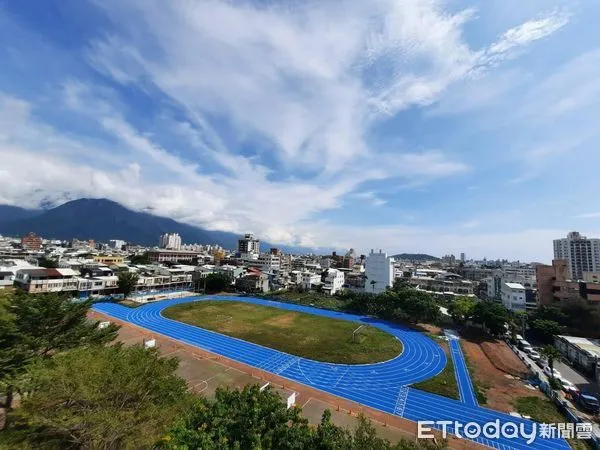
<point>309,336</point>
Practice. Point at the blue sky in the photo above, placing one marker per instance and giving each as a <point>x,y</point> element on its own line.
<point>415,125</point>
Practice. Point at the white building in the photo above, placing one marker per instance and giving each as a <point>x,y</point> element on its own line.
<point>334,281</point>
<point>379,270</point>
<point>582,254</point>
<point>310,279</point>
<point>513,296</point>
<point>116,243</point>
<point>269,262</point>
<point>170,241</point>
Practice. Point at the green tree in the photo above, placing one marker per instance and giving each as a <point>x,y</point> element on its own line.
<point>127,281</point>
<point>140,259</point>
<point>38,326</point>
<point>47,263</point>
<point>101,397</point>
<point>545,330</point>
<point>255,419</point>
<point>247,419</point>
<point>217,282</point>
<point>491,316</point>
<point>461,310</point>
<point>373,283</point>
<point>551,353</point>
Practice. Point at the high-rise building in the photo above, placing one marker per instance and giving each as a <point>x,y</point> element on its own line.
<point>170,241</point>
<point>249,245</point>
<point>463,257</point>
<point>379,272</point>
<point>581,253</point>
<point>31,241</point>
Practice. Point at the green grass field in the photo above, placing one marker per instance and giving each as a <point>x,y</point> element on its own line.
<point>306,335</point>
<point>445,382</point>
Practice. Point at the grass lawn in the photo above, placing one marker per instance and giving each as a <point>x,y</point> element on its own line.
<point>444,383</point>
<point>309,298</point>
<point>306,335</point>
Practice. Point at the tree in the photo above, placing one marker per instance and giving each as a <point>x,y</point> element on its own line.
<point>216,282</point>
<point>101,397</point>
<point>373,283</point>
<point>545,330</point>
<point>491,316</point>
<point>140,259</point>
<point>461,310</point>
<point>256,419</point>
<point>250,418</point>
<point>47,263</point>
<point>551,353</point>
<point>38,326</point>
<point>127,282</point>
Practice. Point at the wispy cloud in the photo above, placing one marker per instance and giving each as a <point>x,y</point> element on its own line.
<point>594,215</point>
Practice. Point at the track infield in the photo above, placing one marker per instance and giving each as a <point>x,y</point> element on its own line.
<point>312,337</point>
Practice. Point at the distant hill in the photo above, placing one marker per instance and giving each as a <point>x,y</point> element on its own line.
<point>416,257</point>
<point>102,220</point>
<point>9,213</point>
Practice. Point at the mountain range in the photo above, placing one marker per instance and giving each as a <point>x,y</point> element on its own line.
<point>417,257</point>
<point>102,220</point>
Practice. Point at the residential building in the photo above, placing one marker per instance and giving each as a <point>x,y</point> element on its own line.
<point>37,281</point>
<point>333,281</point>
<point>556,286</point>
<point>171,256</point>
<point>109,260</point>
<point>463,257</point>
<point>441,283</point>
<point>6,279</point>
<point>31,242</point>
<point>170,241</point>
<point>268,262</point>
<point>117,244</point>
<point>248,245</point>
<point>253,282</point>
<point>513,296</point>
<point>581,253</point>
<point>379,271</point>
<point>354,281</point>
<point>309,280</point>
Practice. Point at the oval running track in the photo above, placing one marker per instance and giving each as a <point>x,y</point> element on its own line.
<point>383,385</point>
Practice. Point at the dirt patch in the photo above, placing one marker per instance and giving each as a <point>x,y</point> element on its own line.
<point>502,389</point>
<point>281,321</point>
<point>504,359</point>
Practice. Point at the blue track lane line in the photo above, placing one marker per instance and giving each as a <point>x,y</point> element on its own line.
<point>463,379</point>
<point>383,386</point>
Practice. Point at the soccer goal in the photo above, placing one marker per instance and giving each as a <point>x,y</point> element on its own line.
<point>356,333</point>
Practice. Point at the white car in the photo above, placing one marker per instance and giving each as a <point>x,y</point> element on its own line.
<point>554,371</point>
<point>567,386</point>
<point>534,356</point>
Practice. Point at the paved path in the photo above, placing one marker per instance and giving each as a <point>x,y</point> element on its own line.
<point>383,386</point>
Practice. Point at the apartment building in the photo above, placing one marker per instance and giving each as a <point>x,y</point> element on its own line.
<point>31,242</point>
<point>161,256</point>
<point>333,281</point>
<point>513,296</point>
<point>379,272</point>
<point>36,281</point>
<point>170,241</point>
<point>582,254</point>
<point>555,284</point>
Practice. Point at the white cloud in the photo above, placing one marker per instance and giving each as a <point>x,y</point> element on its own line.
<point>530,31</point>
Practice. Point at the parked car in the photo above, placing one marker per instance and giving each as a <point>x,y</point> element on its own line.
<point>534,356</point>
<point>549,374</point>
<point>567,386</point>
<point>541,363</point>
<point>523,344</point>
<point>586,401</point>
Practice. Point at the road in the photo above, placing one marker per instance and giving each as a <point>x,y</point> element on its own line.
<point>583,383</point>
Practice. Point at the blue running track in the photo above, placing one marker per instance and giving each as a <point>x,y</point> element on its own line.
<point>383,386</point>
<point>465,387</point>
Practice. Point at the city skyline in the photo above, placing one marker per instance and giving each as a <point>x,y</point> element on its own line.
<point>315,125</point>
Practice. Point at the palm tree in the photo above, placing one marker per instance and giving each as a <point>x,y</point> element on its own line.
<point>373,283</point>
<point>551,353</point>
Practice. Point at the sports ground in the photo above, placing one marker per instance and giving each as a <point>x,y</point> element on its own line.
<point>384,386</point>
